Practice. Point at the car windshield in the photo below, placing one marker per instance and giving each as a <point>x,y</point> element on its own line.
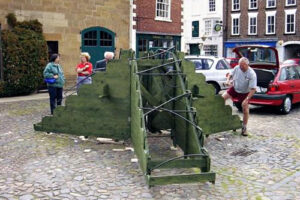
<point>202,63</point>
<point>259,55</point>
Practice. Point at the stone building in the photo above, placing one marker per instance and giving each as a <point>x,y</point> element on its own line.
<point>264,22</point>
<point>72,26</point>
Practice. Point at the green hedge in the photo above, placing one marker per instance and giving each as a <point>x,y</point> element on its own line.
<point>25,55</point>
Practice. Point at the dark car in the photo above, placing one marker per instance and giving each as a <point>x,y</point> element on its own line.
<point>276,85</point>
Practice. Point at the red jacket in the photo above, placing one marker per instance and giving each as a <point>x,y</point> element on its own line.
<point>89,69</point>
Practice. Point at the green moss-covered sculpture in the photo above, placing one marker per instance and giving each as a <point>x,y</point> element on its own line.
<point>133,97</point>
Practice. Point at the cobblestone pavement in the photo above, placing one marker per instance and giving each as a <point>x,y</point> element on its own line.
<point>34,165</point>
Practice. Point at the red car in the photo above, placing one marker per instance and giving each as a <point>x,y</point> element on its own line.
<point>292,61</point>
<point>276,85</point>
<point>232,61</point>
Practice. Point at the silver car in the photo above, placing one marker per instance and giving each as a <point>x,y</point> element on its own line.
<point>214,69</point>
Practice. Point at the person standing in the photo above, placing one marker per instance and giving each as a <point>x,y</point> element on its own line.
<point>84,70</point>
<point>244,86</point>
<point>54,71</point>
<point>101,64</point>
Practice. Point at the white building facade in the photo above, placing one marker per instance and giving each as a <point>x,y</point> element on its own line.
<point>200,19</point>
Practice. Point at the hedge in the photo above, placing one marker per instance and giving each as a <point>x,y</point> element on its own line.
<point>25,55</point>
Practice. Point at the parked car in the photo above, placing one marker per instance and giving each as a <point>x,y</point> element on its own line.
<point>277,85</point>
<point>214,69</point>
<point>232,61</point>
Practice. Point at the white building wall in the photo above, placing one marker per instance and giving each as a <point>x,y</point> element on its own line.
<point>198,10</point>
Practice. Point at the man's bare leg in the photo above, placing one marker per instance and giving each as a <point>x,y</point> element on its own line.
<point>226,96</point>
<point>245,118</point>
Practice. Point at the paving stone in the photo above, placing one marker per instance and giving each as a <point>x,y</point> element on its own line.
<point>54,164</point>
<point>26,197</point>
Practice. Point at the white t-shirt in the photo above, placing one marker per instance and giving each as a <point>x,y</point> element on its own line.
<point>243,82</point>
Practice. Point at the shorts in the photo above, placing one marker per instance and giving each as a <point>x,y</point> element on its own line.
<point>240,97</point>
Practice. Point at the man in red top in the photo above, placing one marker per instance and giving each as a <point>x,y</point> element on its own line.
<point>84,70</point>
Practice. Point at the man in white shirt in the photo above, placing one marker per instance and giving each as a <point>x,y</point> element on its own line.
<point>244,87</point>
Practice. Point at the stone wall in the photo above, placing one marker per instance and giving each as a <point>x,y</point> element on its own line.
<point>64,19</point>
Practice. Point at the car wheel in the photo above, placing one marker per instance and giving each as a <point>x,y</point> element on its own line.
<point>239,106</point>
<point>286,105</point>
<point>217,88</point>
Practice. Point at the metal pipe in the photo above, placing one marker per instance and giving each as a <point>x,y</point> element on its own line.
<point>1,58</point>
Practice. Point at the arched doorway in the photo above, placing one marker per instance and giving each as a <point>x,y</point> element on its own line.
<point>97,40</point>
<point>291,49</point>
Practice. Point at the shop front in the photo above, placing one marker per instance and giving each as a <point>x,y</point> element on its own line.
<point>153,42</point>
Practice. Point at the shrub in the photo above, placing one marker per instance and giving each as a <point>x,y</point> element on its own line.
<point>25,55</point>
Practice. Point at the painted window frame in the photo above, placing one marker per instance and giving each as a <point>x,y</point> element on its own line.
<point>288,4</point>
<point>159,18</point>
<point>239,5</point>
<point>195,22</point>
<point>233,17</point>
<point>252,16</point>
<point>270,14</point>
<point>253,8</point>
<point>211,3</point>
<point>267,4</point>
<point>210,28</point>
<point>290,12</point>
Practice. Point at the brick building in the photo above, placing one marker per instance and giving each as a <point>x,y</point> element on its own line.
<point>265,22</point>
<point>74,26</point>
<point>157,24</point>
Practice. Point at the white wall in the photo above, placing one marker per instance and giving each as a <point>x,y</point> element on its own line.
<point>198,10</point>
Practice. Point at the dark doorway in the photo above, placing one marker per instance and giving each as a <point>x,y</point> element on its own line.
<point>194,49</point>
<point>52,47</point>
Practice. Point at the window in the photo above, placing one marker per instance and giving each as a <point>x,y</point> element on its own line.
<point>210,50</point>
<point>252,4</point>
<point>290,2</point>
<point>270,22</point>
<point>195,29</point>
<point>291,73</point>
<point>298,71</point>
<point>208,27</point>
<point>105,39</point>
<point>202,63</point>
<point>163,10</point>
<point>142,45</point>
<point>212,5</point>
<point>222,65</point>
<point>235,24</point>
<point>290,21</point>
<point>235,5</point>
<point>252,30</point>
<point>271,3</point>
<point>90,38</point>
<point>283,74</point>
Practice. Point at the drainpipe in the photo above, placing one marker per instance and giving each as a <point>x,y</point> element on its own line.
<point>1,60</point>
<point>225,25</point>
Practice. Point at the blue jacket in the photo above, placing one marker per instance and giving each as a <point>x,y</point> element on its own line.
<point>54,69</point>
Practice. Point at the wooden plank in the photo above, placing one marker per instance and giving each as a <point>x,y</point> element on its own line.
<point>183,178</point>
